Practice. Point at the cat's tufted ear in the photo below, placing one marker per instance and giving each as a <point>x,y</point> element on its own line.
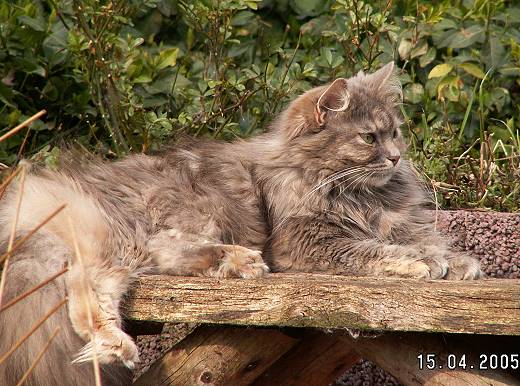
<point>381,76</point>
<point>385,81</point>
<point>335,98</point>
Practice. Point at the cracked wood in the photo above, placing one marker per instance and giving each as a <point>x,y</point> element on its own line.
<point>337,302</point>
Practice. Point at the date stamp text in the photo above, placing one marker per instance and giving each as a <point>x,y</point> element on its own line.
<point>429,361</point>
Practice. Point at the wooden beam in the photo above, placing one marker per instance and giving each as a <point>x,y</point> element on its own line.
<point>454,362</point>
<point>311,300</point>
<point>213,355</point>
<point>317,360</point>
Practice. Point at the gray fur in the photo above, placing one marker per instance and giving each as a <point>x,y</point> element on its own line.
<point>310,194</point>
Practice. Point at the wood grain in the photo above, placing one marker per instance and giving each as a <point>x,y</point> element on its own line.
<point>317,360</point>
<point>336,302</point>
<point>218,356</point>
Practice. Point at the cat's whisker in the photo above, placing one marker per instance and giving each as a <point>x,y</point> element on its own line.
<point>332,178</point>
<point>363,175</point>
<point>356,180</point>
<point>363,182</point>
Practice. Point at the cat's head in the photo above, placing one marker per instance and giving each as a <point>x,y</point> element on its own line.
<point>349,127</point>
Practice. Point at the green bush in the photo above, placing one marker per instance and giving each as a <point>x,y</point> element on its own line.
<point>121,76</point>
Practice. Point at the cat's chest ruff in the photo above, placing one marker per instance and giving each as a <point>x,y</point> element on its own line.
<point>388,220</point>
<point>376,222</point>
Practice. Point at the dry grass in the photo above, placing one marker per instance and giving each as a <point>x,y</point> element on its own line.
<point>13,245</point>
<point>21,241</point>
<point>33,289</point>
<point>22,125</point>
<point>86,293</point>
<point>13,233</point>
<point>38,357</point>
<point>33,329</point>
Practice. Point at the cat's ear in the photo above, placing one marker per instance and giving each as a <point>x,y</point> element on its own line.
<point>335,98</point>
<point>382,76</point>
<point>384,80</point>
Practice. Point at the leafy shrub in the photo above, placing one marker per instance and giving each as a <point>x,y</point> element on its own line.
<point>120,76</point>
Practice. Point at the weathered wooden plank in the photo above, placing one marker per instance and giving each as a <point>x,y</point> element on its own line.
<point>310,300</point>
<point>317,360</point>
<point>211,355</point>
<point>453,361</point>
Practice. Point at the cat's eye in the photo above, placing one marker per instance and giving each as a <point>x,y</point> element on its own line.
<point>395,134</point>
<point>368,138</point>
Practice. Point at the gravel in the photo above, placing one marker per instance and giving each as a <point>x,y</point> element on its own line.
<point>492,237</point>
<point>365,373</point>
<point>153,347</point>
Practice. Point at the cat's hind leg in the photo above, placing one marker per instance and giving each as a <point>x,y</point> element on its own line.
<point>175,253</point>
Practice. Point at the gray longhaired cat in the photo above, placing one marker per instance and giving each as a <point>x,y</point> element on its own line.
<point>325,190</point>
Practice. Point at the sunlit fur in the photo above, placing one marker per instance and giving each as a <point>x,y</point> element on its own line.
<point>314,193</point>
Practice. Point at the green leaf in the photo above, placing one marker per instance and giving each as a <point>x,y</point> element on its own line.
<point>440,70</point>
<point>55,45</point>
<point>510,71</point>
<point>472,69</point>
<point>466,37</point>
<point>449,88</point>
<point>306,8</point>
<point>6,95</point>
<point>214,83</point>
<point>13,117</point>
<point>35,24</point>
<point>428,57</point>
<point>495,52</point>
<point>404,48</point>
<point>135,43</point>
<point>143,78</point>
<point>337,61</point>
<point>326,53</point>
<point>413,93</point>
<point>419,50</point>
<point>253,4</point>
<point>167,58</point>
<point>444,24</point>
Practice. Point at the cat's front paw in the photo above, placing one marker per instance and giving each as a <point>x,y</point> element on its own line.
<point>463,267</point>
<point>436,257</point>
<point>110,346</point>
<point>418,269</point>
<point>237,261</point>
<point>417,263</point>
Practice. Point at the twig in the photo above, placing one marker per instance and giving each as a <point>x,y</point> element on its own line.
<point>21,241</point>
<point>22,146</point>
<point>58,13</point>
<point>22,125</point>
<point>13,233</point>
<point>34,289</point>
<point>95,362</point>
<point>38,357</point>
<point>31,331</point>
<point>8,181</point>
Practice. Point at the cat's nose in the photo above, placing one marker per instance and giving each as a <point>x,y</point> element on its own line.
<point>394,158</point>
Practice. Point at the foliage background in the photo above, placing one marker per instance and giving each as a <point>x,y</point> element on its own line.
<point>119,76</point>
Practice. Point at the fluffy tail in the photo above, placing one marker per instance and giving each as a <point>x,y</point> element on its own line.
<point>39,259</point>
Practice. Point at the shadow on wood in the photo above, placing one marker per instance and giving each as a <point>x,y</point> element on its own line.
<point>318,360</point>
<point>218,356</point>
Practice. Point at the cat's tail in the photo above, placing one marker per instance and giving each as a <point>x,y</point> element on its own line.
<point>40,258</point>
